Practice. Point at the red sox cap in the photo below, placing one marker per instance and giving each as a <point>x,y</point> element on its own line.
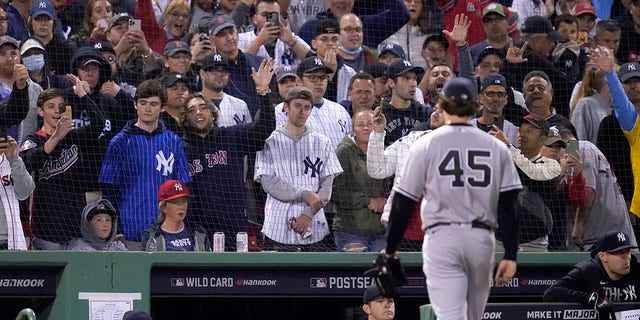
<point>172,189</point>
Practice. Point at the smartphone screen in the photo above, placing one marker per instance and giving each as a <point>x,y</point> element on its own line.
<point>572,146</point>
<point>273,18</point>
<point>499,122</point>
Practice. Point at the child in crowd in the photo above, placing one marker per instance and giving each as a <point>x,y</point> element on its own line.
<point>99,227</point>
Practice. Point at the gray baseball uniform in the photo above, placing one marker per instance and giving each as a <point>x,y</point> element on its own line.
<point>461,172</point>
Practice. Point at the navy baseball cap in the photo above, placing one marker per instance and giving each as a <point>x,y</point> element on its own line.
<point>393,48</point>
<point>628,71</point>
<point>172,78</point>
<point>220,22</point>
<point>104,46</point>
<point>285,71</point>
<point>401,67</point>
<point>103,206</point>
<point>493,79</point>
<point>175,46</point>
<point>436,37</point>
<point>327,26</point>
<point>42,7</point>
<point>613,241</point>
<point>461,89</point>
<point>539,24</point>
<point>537,122</point>
<point>373,292</point>
<point>489,50</point>
<point>376,69</point>
<point>311,64</point>
<point>214,60</point>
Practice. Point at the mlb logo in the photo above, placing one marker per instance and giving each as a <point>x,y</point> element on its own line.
<point>318,282</point>
<point>177,282</point>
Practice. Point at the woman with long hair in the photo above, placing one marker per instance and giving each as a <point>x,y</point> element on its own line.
<point>591,104</point>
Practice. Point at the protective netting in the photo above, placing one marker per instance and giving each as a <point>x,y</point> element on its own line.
<point>86,123</point>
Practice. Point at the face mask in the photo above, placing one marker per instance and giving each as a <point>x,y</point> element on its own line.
<point>34,62</point>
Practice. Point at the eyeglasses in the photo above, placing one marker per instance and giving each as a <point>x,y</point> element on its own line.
<point>495,94</point>
<point>316,78</point>
<point>352,29</point>
<point>179,15</point>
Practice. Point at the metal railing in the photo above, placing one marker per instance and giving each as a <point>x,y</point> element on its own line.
<point>27,314</point>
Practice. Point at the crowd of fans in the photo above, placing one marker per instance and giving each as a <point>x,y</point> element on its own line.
<point>124,120</point>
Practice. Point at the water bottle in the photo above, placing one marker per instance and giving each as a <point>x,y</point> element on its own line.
<point>152,243</point>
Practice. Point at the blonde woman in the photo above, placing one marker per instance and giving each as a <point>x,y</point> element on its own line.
<point>173,25</point>
<point>591,104</point>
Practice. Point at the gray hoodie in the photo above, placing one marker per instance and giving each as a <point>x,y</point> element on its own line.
<point>89,240</point>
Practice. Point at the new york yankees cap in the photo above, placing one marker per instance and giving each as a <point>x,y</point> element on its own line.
<point>628,71</point>
<point>393,48</point>
<point>373,292</point>
<point>613,241</point>
<point>285,71</point>
<point>401,67</point>
<point>489,50</point>
<point>214,60</point>
<point>42,7</point>
<point>460,88</point>
<point>311,64</point>
<point>104,46</point>
<point>172,189</point>
<point>493,79</point>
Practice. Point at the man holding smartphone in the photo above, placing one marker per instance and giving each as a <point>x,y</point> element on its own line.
<point>493,98</point>
<point>271,37</point>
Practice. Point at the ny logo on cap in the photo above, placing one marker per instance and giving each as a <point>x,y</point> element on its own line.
<point>217,57</point>
<point>98,45</point>
<point>318,62</point>
<point>390,46</point>
<point>286,68</point>
<point>631,67</point>
<point>496,81</point>
<point>621,237</point>
<point>178,187</point>
<point>178,76</point>
<point>42,5</point>
<point>407,63</point>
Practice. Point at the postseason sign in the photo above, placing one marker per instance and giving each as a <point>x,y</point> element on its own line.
<point>311,282</point>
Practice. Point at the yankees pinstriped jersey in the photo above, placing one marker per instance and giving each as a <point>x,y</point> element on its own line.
<point>137,163</point>
<point>453,164</point>
<point>232,111</point>
<point>329,118</point>
<point>300,161</point>
<point>16,184</point>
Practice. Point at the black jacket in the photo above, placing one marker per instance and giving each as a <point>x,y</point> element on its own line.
<point>589,276</point>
